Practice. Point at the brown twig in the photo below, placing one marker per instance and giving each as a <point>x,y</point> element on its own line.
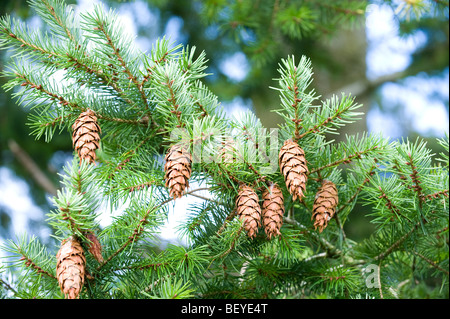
<point>30,165</point>
<point>344,160</point>
<point>432,263</point>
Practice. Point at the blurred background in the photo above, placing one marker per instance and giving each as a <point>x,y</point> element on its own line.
<point>391,56</point>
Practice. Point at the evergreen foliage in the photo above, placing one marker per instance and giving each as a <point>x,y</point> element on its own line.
<point>147,102</point>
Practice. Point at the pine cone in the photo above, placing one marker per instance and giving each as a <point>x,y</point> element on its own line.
<point>70,267</point>
<point>177,170</point>
<point>325,204</point>
<point>272,210</point>
<point>94,246</point>
<point>248,209</point>
<point>294,169</point>
<point>85,136</point>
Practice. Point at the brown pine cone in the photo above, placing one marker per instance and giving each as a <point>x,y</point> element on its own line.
<point>325,204</point>
<point>272,210</point>
<point>70,267</point>
<point>94,246</point>
<point>85,136</point>
<point>177,170</point>
<point>248,209</point>
<point>294,169</point>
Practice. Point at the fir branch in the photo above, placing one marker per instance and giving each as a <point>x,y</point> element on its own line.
<point>8,286</point>
<point>58,19</point>
<point>29,263</point>
<point>415,178</point>
<point>226,221</point>
<point>122,62</point>
<point>139,229</point>
<point>145,266</point>
<point>357,12</point>
<point>141,186</point>
<point>232,245</point>
<point>47,54</point>
<point>128,154</point>
<point>53,96</point>
<point>201,107</point>
<point>444,193</point>
<point>336,118</point>
<point>207,199</point>
<point>296,100</point>
<point>13,37</point>
<point>432,263</point>
<point>147,76</point>
<point>330,248</point>
<point>173,100</point>
<point>393,208</point>
<point>160,53</point>
<point>345,160</point>
<point>74,106</point>
<point>249,136</point>
<point>398,242</point>
<point>32,254</point>
<point>358,190</point>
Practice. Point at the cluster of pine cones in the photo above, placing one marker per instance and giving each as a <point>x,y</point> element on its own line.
<point>293,166</point>
<point>177,168</point>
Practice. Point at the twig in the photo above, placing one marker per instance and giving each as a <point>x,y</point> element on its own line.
<point>432,263</point>
<point>330,248</point>
<point>30,165</point>
<point>343,160</point>
<point>7,286</point>
<point>207,199</point>
<point>398,242</point>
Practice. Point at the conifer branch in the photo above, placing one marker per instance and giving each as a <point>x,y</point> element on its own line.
<point>393,208</point>
<point>415,178</point>
<point>432,263</point>
<point>173,100</point>
<point>398,242</point>
<point>444,193</point>
<point>122,62</point>
<point>8,286</point>
<point>25,43</point>
<point>29,263</point>
<point>127,156</point>
<point>74,106</point>
<point>345,160</point>
<point>358,190</point>
<point>249,136</point>
<point>141,186</point>
<point>138,230</point>
<point>131,239</point>
<point>153,266</point>
<point>329,120</point>
<point>147,76</point>
<point>140,99</point>
<point>58,20</point>
<point>346,11</point>
<point>330,248</point>
<point>295,104</point>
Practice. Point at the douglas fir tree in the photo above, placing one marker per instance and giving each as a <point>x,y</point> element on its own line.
<point>145,129</point>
